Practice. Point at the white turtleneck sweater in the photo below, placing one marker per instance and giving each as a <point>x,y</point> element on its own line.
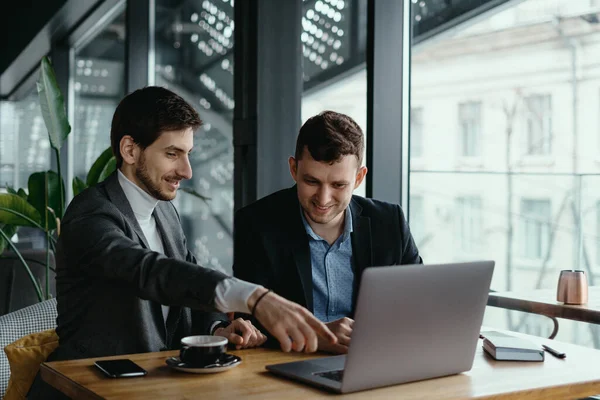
<point>231,294</point>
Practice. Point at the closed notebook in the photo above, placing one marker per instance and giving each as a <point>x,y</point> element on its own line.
<point>511,348</point>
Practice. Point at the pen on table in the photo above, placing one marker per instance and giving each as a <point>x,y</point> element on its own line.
<point>555,353</point>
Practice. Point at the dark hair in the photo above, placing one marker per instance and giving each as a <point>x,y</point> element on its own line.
<point>330,136</point>
<point>148,112</point>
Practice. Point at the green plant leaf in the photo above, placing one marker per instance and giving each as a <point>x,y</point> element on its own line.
<point>37,195</point>
<point>109,168</point>
<point>194,193</point>
<point>78,186</point>
<point>10,231</point>
<point>22,193</point>
<point>52,105</point>
<point>99,165</point>
<point>17,204</point>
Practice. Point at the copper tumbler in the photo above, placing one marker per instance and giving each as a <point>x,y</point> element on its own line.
<point>572,287</point>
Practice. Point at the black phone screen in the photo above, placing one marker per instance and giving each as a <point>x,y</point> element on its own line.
<point>120,368</point>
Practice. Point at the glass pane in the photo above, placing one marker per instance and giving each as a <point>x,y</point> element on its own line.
<point>529,113</point>
<point>416,132</point>
<point>24,143</point>
<point>194,58</point>
<point>334,39</point>
<point>99,77</point>
<point>24,149</point>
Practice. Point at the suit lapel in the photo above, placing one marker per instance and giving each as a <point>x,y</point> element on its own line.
<point>169,235</point>
<point>118,198</point>
<point>302,257</point>
<point>300,248</point>
<point>361,245</point>
<point>167,231</point>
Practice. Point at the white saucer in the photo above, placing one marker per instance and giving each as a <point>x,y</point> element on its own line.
<point>227,361</point>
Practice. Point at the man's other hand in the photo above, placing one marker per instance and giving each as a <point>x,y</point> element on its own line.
<point>242,334</point>
<point>292,325</point>
<point>342,329</point>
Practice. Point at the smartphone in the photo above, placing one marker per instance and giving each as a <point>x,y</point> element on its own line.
<point>122,368</point>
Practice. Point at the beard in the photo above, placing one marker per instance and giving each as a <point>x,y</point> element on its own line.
<point>153,188</point>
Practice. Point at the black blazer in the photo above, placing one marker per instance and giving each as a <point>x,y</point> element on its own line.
<point>271,245</point>
<point>110,285</point>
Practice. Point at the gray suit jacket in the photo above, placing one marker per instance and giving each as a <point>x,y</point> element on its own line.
<point>110,285</point>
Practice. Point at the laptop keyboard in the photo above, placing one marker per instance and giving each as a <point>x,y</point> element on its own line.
<point>336,375</point>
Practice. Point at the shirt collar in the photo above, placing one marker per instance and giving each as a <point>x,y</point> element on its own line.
<point>141,202</point>
<point>348,228</point>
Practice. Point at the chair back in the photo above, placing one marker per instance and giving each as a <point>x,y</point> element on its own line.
<point>16,289</point>
<point>35,318</point>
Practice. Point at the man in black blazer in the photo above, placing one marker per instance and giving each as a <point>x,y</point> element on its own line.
<point>311,242</point>
<point>126,283</point>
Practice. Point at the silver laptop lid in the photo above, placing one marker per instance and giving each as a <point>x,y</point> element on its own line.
<point>415,322</point>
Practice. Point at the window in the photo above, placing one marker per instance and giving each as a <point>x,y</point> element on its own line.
<point>196,62</point>
<point>469,117</point>
<point>468,212</point>
<point>99,83</point>
<point>24,144</point>
<point>333,45</point>
<point>417,219</point>
<point>416,132</point>
<point>535,228</point>
<point>539,124</point>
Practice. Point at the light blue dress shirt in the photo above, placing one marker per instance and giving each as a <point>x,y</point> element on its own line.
<point>332,272</point>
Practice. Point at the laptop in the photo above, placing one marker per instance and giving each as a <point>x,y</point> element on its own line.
<point>412,322</point>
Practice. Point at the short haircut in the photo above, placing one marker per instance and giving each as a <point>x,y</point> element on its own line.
<point>146,113</point>
<point>329,136</point>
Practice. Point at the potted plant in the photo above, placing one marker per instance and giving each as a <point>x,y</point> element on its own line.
<point>42,205</point>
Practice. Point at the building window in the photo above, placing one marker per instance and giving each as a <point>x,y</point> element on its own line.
<point>416,218</point>
<point>539,124</point>
<point>535,228</point>
<point>469,116</point>
<point>469,223</point>
<point>416,132</point>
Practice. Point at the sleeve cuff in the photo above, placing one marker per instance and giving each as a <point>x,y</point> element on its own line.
<point>232,294</point>
<point>218,324</point>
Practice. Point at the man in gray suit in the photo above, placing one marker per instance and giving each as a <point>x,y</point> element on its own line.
<point>126,283</point>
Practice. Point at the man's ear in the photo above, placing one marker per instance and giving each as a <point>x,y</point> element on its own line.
<point>293,168</point>
<point>360,176</point>
<point>129,150</point>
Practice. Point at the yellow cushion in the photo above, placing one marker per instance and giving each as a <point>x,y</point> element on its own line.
<point>25,357</point>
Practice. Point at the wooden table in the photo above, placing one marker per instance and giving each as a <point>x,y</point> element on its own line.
<point>543,302</point>
<point>575,377</point>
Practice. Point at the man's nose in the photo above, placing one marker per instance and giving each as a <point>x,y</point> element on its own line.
<point>184,169</point>
<point>323,195</point>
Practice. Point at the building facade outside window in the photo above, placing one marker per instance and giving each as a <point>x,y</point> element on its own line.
<point>469,120</point>
<point>535,131</point>
<point>539,124</point>
<point>416,132</point>
<point>417,218</point>
<point>468,214</point>
<point>535,228</point>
